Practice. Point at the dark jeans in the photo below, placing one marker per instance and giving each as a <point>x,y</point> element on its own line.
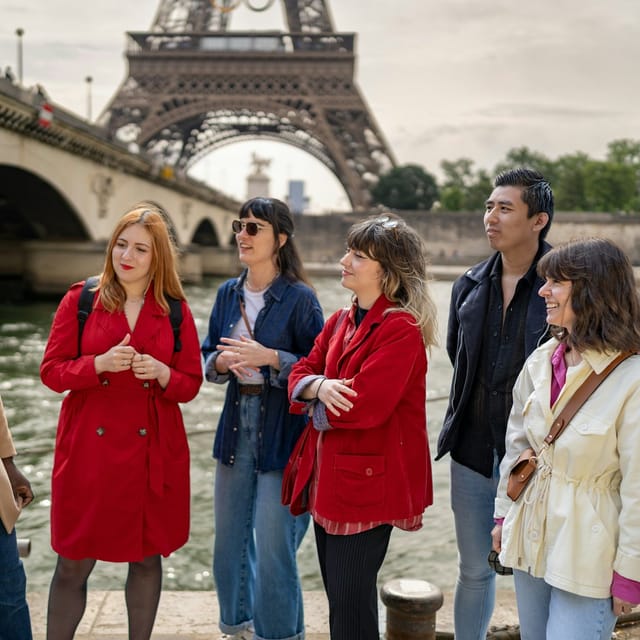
<point>349,566</point>
<point>15,623</point>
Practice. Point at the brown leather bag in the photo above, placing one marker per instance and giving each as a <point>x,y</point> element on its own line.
<point>526,465</point>
<point>521,473</point>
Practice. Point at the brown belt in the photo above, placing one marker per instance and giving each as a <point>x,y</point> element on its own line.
<point>250,389</point>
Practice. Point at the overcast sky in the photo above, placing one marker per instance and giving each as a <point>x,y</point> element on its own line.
<point>444,78</point>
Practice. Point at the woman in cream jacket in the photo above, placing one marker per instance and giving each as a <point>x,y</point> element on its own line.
<point>573,536</point>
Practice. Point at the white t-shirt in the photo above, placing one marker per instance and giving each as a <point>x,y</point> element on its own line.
<point>254,301</point>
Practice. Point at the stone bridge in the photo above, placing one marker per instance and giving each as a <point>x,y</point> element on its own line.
<point>64,185</point>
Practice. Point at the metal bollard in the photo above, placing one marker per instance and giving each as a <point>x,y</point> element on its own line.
<point>24,547</point>
<point>411,609</point>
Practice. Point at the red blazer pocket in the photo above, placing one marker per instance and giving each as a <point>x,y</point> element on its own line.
<point>359,480</point>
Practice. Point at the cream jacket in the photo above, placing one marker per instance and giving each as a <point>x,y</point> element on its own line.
<point>8,509</point>
<point>579,518</point>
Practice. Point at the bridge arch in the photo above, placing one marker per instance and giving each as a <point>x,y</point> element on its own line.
<point>32,208</point>
<point>206,235</point>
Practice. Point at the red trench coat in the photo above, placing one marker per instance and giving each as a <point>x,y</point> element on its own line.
<point>120,485</point>
<point>374,464</point>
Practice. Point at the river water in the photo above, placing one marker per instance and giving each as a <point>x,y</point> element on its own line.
<point>428,554</point>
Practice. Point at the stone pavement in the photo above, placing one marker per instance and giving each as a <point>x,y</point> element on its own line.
<point>192,615</point>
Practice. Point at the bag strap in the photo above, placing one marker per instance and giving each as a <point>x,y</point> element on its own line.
<point>247,324</point>
<point>175,317</point>
<point>580,397</point>
<point>85,304</point>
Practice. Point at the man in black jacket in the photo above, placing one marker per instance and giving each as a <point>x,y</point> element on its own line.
<point>496,320</point>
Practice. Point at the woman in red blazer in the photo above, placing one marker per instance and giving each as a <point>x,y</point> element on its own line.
<point>366,464</point>
<point>120,483</point>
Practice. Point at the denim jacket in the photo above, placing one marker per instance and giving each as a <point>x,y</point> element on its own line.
<point>289,322</point>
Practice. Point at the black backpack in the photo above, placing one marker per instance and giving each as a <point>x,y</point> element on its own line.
<point>85,306</point>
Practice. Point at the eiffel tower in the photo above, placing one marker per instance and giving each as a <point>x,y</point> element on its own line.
<point>194,86</point>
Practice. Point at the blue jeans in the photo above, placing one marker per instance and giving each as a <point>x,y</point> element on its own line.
<point>472,501</point>
<point>256,539</point>
<point>15,623</point>
<point>548,613</point>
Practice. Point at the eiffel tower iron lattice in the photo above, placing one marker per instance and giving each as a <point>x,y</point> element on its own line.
<point>194,85</point>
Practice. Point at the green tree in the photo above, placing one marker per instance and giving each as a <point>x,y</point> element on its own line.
<point>624,151</point>
<point>610,186</point>
<point>463,188</point>
<point>569,188</point>
<point>406,187</point>
<point>478,191</point>
<point>627,152</point>
<point>458,174</point>
<point>525,157</point>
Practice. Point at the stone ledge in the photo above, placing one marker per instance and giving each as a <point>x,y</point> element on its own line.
<point>193,615</point>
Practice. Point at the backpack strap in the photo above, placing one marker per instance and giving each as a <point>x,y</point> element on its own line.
<point>85,306</point>
<point>175,317</point>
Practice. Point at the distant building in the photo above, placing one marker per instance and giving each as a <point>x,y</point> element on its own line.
<point>258,181</point>
<point>296,199</point>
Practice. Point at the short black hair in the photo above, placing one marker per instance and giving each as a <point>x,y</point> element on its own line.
<point>536,192</point>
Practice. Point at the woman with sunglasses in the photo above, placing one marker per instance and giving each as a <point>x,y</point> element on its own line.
<point>365,461</point>
<point>261,324</point>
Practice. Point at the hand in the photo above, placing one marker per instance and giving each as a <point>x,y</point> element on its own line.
<point>118,358</point>
<point>245,355</point>
<point>146,367</point>
<point>496,538</point>
<point>333,392</point>
<point>622,606</point>
<point>21,486</point>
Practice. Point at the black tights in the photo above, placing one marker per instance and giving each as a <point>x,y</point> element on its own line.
<point>68,596</point>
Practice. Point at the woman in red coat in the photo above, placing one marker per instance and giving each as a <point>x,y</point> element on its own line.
<point>366,463</point>
<point>120,486</point>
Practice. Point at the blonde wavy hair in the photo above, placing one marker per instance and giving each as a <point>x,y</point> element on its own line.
<point>162,272</point>
<point>389,240</point>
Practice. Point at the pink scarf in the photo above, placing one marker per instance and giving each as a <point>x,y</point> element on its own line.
<point>559,371</point>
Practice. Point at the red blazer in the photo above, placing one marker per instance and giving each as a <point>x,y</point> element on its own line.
<point>120,484</point>
<point>374,463</point>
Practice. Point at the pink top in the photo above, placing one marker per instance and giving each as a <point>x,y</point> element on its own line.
<point>559,371</point>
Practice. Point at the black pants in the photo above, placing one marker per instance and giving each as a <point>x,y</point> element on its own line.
<point>349,566</point>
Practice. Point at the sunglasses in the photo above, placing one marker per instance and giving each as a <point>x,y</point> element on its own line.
<point>251,227</point>
<point>386,222</point>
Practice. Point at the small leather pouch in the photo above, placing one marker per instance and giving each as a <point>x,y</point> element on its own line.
<point>521,473</point>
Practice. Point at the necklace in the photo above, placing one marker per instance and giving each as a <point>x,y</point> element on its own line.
<point>259,289</point>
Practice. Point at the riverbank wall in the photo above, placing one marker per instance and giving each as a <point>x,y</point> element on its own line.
<point>458,238</point>
<point>453,239</point>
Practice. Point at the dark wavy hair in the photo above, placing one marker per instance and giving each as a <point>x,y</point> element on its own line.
<point>604,296</point>
<point>536,192</point>
<point>278,215</point>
